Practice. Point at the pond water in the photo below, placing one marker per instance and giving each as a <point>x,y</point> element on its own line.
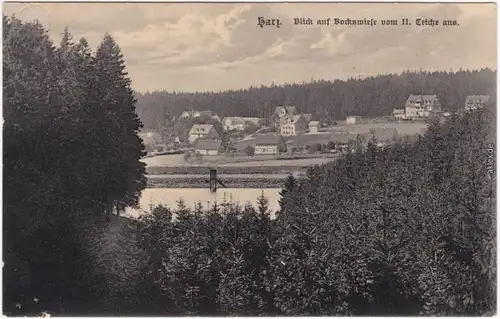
<point>191,196</point>
<point>164,160</point>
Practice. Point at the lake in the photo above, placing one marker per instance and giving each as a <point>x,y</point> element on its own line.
<point>170,196</point>
<point>164,160</point>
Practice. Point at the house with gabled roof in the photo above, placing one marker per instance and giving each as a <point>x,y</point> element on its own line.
<point>313,127</point>
<point>207,147</point>
<point>399,114</point>
<point>262,143</point>
<point>474,102</point>
<point>425,105</point>
<point>202,131</point>
<point>293,125</point>
<point>269,144</point>
<point>238,123</point>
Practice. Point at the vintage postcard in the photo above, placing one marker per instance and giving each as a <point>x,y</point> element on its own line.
<point>249,159</point>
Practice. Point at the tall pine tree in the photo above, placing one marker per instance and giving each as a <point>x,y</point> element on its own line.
<point>123,174</point>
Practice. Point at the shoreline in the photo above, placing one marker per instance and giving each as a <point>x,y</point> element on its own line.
<point>230,170</point>
<point>172,181</point>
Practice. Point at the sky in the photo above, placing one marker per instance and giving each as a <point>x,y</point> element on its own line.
<point>219,46</point>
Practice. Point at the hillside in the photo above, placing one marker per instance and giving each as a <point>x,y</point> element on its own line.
<point>328,100</point>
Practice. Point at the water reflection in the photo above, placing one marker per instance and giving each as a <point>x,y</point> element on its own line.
<point>191,196</point>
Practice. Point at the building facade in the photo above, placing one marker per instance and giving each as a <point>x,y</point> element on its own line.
<point>399,114</point>
<point>425,105</point>
<point>474,102</point>
<point>352,119</point>
<point>313,127</point>
<point>238,123</point>
<point>293,125</point>
<point>202,131</point>
<point>269,144</point>
<point>264,149</point>
<point>418,107</point>
<point>207,147</point>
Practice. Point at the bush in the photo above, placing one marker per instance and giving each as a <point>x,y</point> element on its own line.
<point>250,150</point>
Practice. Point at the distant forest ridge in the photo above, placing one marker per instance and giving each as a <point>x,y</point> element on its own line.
<point>328,100</point>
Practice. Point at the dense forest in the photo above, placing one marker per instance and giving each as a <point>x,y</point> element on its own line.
<point>70,154</point>
<point>326,100</point>
<point>405,229</point>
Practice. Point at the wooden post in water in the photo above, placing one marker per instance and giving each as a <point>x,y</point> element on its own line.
<point>213,180</point>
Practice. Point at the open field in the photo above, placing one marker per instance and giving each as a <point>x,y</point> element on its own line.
<point>278,163</point>
<point>240,161</point>
<point>402,128</point>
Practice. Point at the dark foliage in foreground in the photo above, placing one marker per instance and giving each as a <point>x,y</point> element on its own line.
<point>71,152</point>
<point>408,229</point>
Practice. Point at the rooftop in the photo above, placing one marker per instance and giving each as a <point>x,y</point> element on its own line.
<point>200,128</point>
<point>234,120</point>
<point>265,139</point>
<point>477,98</point>
<point>269,140</point>
<point>290,119</point>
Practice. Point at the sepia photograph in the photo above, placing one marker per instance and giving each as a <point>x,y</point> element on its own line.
<point>249,159</point>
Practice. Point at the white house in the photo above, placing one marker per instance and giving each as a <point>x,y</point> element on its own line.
<point>425,105</point>
<point>238,123</point>
<point>411,113</point>
<point>313,127</point>
<point>207,147</point>
<point>292,125</point>
<point>352,119</point>
<point>269,144</point>
<point>233,123</point>
<point>203,131</point>
<point>474,102</point>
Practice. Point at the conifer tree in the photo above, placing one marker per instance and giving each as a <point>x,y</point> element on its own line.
<point>123,173</point>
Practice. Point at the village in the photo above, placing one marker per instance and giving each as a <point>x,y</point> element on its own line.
<point>289,134</point>
<point>209,159</point>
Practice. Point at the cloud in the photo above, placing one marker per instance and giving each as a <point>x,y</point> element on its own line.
<point>200,46</point>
